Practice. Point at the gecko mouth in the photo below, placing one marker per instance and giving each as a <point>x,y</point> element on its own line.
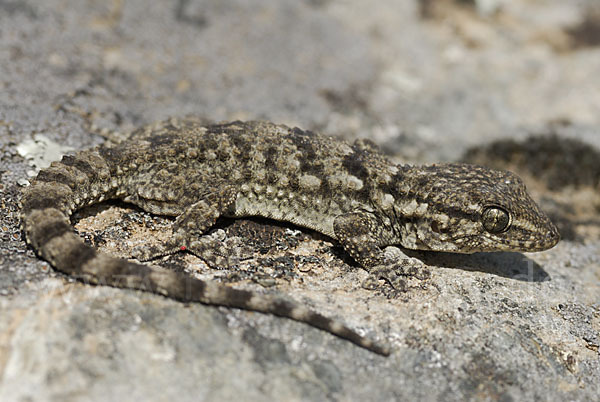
<point>477,243</point>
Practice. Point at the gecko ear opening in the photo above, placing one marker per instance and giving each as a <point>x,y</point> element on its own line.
<point>495,219</point>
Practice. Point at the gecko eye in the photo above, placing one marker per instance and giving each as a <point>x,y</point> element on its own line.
<point>495,219</point>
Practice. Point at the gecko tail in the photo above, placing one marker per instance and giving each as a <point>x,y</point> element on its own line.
<point>51,235</point>
<point>215,293</point>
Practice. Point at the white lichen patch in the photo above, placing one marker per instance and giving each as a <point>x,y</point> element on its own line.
<point>40,152</point>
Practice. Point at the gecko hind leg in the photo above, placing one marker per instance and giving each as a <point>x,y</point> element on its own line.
<point>188,231</point>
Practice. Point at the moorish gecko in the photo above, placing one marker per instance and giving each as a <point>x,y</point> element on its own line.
<point>351,193</point>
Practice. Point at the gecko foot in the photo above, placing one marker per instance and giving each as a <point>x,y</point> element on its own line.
<point>148,253</point>
<point>209,248</point>
<point>396,274</point>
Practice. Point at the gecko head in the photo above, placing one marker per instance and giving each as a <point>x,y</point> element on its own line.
<point>466,208</point>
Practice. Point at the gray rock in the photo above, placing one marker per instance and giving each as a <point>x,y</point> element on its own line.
<point>424,80</point>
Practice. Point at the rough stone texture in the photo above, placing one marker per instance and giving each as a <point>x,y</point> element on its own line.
<point>425,80</point>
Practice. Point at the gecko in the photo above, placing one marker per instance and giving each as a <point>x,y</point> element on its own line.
<point>196,173</point>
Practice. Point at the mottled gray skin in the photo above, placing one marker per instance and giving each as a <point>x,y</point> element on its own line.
<point>353,194</point>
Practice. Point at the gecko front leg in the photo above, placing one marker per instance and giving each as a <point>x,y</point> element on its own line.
<point>362,234</point>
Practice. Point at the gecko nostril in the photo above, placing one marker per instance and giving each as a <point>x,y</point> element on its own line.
<point>553,235</point>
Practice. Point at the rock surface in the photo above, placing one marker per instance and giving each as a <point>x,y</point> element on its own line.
<point>426,80</point>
